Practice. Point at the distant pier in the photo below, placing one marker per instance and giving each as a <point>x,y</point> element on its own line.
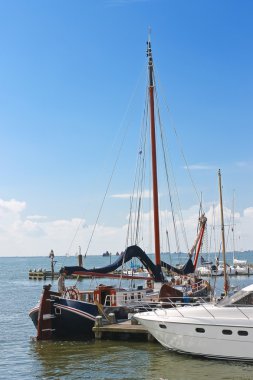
<point>39,274</point>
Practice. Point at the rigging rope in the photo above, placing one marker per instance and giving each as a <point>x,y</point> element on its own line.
<point>137,192</point>
<point>169,187</point>
<point>178,140</point>
<point>115,164</point>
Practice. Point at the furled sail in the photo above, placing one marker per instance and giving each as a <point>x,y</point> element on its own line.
<point>134,252</point>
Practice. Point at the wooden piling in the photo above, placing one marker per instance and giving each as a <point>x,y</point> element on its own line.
<point>98,326</point>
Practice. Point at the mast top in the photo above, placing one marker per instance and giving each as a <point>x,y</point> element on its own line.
<point>150,63</point>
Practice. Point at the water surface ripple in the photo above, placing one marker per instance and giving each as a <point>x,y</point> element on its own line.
<point>21,357</point>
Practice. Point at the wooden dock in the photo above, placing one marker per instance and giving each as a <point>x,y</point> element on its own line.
<point>126,330</point>
<point>45,274</point>
<point>42,275</point>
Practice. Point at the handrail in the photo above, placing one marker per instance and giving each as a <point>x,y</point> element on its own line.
<point>163,306</point>
<point>242,312</point>
<point>208,311</point>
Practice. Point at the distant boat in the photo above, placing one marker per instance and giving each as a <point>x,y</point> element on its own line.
<point>239,266</point>
<point>205,262</point>
<point>106,253</point>
<point>239,262</point>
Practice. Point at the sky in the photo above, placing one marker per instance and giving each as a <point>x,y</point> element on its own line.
<point>69,71</point>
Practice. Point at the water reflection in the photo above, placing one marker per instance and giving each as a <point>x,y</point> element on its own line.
<point>126,361</point>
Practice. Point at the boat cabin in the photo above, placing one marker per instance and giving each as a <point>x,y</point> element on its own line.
<point>105,295</point>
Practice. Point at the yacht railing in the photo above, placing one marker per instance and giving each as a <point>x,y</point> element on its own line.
<point>178,305</point>
<point>164,303</point>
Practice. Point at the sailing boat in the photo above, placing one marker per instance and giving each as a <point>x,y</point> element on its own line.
<point>222,330</point>
<point>239,266</point>
<point>73,313</point>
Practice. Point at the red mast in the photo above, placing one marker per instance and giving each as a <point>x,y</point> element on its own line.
<point>202,222</point>
<point>153,151</point>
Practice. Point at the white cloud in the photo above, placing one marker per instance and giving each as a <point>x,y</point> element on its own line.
<point>28,228</point>
<point>11,206</point>
<point>145,194</point>
<point>122,196</point>
<point>36,217</point>
<point>248,212</point>
<point>200,167</point>
<point>36,235</point>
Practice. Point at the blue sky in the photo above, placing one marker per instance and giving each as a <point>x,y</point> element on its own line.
<point>68,70</point>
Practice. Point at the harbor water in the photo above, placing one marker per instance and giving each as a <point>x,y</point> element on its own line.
<point>22,357</point>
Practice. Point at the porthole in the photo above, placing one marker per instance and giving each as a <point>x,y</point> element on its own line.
<point>242,333</point>
<point>200,330</point>
<point>227,332</point>
<point>163,326</point>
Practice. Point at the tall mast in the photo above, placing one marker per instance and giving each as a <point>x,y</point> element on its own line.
<point>233,226</point>
<point>223,237</point>
<point>153,151</point>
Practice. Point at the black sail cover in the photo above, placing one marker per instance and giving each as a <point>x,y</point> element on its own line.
<point>135,252</point>
<point>186,269</point>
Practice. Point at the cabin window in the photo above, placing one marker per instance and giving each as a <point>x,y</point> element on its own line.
<point>163,326</point>
<point>227,332</point>
<point>108,300</point>
<point>242,333</point>
<point>86,297</point>
<point>200,330</point>
<point>57,311</point>
<point>132,296</point>
<point>247,300</point>
<point>139,296</point>
<point>125,297</point>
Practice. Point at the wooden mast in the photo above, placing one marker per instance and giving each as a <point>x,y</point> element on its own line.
<point>153,151</point>
<point>226,287</point>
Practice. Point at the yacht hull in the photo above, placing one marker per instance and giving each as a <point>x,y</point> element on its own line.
<point>213,336</point>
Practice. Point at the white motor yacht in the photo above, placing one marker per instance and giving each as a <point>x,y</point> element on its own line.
<point>223,330</point>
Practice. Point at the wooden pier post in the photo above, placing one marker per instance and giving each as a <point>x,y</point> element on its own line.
<point>111,318</point>
<point>80,258</point>
<point>98,323</point>
<point>51,256</point>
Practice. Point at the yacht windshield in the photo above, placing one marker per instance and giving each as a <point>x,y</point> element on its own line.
<point>239,298</point>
